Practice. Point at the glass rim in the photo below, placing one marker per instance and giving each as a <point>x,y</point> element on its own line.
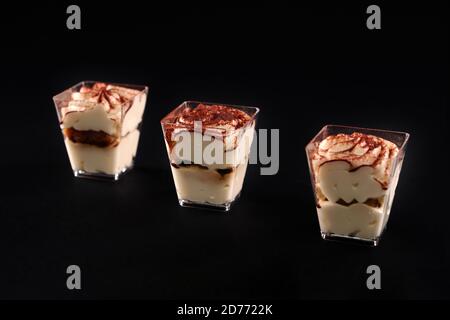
<point>60,97</point>
<point>406,135</point>
<point>185,104</point>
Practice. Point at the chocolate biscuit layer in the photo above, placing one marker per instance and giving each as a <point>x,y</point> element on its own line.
<point>96,138</point>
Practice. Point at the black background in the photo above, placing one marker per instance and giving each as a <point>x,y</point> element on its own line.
<point>304,67</point>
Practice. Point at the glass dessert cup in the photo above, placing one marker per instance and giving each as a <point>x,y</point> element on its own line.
<point>354,174</point>
<point>100,123</point>
<point>208,147</point>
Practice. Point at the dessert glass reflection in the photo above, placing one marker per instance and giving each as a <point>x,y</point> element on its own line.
<point>354,173</point>
<point>208,146</point>
<point>100,123</point>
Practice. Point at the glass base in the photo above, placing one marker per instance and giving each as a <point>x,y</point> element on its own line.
<point>205,205</point>
<point>100,176</point>
<point>351,240</point>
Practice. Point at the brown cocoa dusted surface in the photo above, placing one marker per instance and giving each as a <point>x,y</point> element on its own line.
<point>358,150</point>
<point>210,116</point>
<point>221,118</point>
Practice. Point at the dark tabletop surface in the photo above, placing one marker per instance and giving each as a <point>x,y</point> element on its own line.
<point>304,67</point>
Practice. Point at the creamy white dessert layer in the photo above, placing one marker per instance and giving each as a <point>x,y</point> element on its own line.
<point>357,220</point>
<point>336,181</point>
<point>133,117</point>
<point>94,117</point>
<point>205,185</point>
<point>108,160</point>
<point>101,127</point>
<point>86,115</point>
<point>208,147</point>
<point>202,182</point>
<point>352,217</point>
<point>355,179</point>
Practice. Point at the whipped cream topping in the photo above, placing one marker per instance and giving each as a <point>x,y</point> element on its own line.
<point>216,120</point>
<point>98,106</point>
<point>110,97</point>
<point>358,150</point>
<point>217,117</point>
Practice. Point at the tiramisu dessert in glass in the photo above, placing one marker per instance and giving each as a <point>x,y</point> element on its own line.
<point>354,173</point>
<point>208,146</point>
<point>100,124</point>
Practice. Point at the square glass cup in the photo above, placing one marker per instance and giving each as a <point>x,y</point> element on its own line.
<point>100,123</point>
<point>354,202</point>
<point>208,157</point>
